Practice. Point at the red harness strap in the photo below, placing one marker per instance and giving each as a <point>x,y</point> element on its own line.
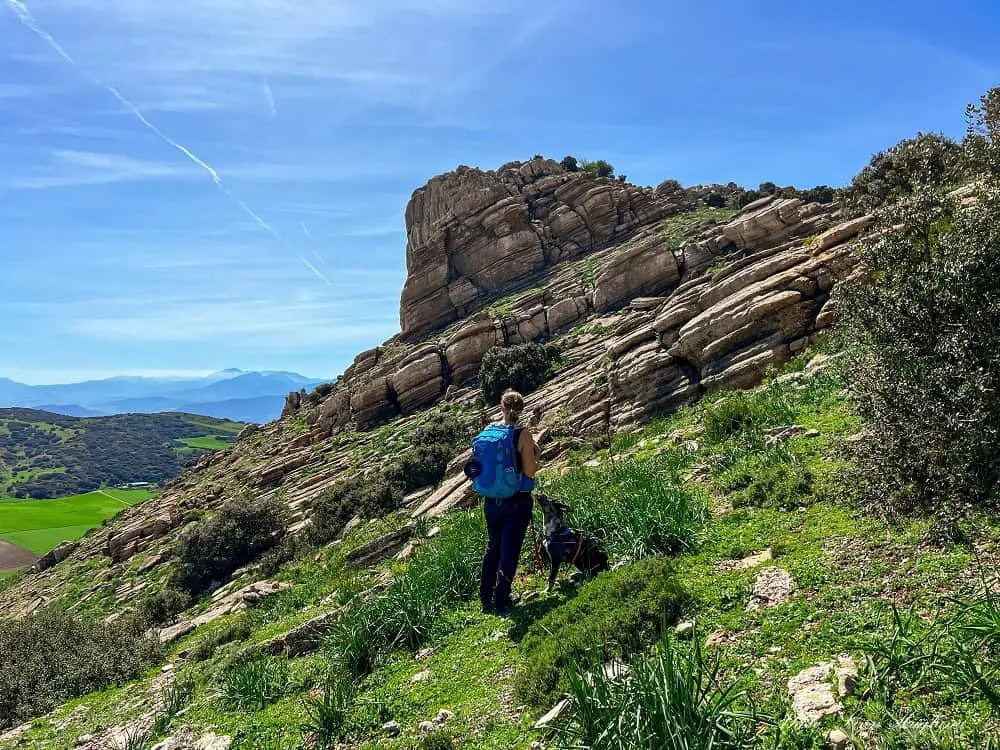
<point>576,552</point>
<point>534,542</point>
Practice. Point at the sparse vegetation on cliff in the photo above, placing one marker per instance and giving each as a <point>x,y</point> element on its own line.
<point>523,367</point>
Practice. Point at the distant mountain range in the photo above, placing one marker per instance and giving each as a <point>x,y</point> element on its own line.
<point>229,394</point>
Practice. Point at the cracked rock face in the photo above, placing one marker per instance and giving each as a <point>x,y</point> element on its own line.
<point>471,232</point>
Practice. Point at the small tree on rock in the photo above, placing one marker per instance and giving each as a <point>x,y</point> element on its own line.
<point>570,164</point>
<point>523,367</point>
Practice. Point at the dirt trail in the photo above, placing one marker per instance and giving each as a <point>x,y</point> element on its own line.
<point>14,558</point>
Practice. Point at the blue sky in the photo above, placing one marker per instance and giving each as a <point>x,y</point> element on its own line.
<point>121,255</point>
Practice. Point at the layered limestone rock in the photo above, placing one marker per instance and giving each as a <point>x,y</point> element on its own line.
<point>472,233</point>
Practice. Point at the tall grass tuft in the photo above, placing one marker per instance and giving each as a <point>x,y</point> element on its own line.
<point>173,699</point>
<point>637,508</point>
<point>326,715</point>
<point>673,700</point>
<point>741,411</point>
<point>255,684</point>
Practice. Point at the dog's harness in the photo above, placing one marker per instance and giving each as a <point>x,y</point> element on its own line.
<point>560,544</point>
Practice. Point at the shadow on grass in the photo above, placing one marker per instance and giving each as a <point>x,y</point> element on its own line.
<point>522,616</point>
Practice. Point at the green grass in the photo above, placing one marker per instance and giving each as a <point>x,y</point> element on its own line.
<point>208,442</point>
<point>40,525</point>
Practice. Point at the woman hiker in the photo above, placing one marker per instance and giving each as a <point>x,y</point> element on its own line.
<point>507,519</point>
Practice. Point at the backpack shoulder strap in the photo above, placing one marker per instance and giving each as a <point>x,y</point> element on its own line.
<point>517,452</point>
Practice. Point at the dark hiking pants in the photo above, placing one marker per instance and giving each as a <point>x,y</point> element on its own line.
<point>506,523</point>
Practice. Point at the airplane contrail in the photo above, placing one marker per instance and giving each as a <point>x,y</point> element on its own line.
<point>268,95</point>
<point>316,271</point>
<point>25,16</point>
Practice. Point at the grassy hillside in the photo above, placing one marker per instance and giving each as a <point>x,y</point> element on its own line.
<point>40,525</point>
<point>44,455</point>
<point>680,504</point>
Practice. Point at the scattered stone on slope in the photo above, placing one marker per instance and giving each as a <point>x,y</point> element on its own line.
<point>381,548</point>
<point>837,739</point>
<point>229,604</point>
<point>13,734</point>
<point>552,715</point>
<point>846,672</point>
<point>773,586</point>
<point>812,695</point>
<point>750,561</point>
<point>305,638</point>
<point>57,555</point>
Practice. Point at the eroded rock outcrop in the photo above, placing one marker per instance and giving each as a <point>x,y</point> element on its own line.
<point>471,233</point>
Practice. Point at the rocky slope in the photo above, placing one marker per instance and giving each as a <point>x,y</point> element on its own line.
<point>653,298</point>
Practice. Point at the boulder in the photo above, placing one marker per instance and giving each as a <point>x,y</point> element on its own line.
<point>642,267</point>
<point>565,312</point>
<point>811,694</point>
<point>56,556</point>
<point>381,548</point>
<point>773,586</point>
<point>465,350</point>
<point>420,379</point>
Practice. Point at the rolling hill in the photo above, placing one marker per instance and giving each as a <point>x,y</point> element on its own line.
<point>46,455</point>
<point>228,394</point>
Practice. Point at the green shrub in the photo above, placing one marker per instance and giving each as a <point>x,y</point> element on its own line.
<point>163,606</point>
<point>636,507</point>
<point>923,327</point>
<point>599,168</point>
<point>255,684</point>
<point>675,700</point>
<point>236,629</point>
<point>523,367</point>
<point>766,477</point>
<point>927,159</point>
<point>291,547</point>
<point>616,615</point>
<point>236,535</point>
<point>437,741</point>
<point>332,509</point>
<point>715,200</point>
<point>431,446</point>
<point>173,699</point>
<point>51,657</point>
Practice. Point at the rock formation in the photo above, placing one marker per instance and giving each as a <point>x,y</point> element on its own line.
<point>647,319</point>
<point>471,233</point>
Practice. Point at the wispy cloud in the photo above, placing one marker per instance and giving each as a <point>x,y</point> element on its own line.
<point>298,323</point>
<point>70,168</point>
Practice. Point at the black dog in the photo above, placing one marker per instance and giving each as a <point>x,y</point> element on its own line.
<point>565,545</point>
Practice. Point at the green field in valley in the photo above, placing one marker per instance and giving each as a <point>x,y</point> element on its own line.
<point>40,525</point>
<point>208,442</point>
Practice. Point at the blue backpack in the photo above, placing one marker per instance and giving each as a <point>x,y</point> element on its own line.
<point>493,468</point>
